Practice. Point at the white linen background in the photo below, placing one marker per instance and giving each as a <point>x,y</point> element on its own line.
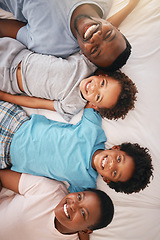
<point>137,216</point>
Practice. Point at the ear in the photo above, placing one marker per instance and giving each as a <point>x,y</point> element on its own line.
<point>116,147</point>
<point>106,180</point>
<point>91,105</point>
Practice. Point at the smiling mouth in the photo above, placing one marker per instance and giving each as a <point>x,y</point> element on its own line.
<point>108,162</point>
<point>104,161</point>
<point>87,86</point>
<point>90,31</point>
<point>65,211</point>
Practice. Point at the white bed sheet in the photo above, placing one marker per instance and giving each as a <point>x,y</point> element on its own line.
<point>137,216</point>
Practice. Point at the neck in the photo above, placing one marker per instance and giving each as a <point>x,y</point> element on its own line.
<point>62,229</point>
<point>85,9</point>
<point>93,158</point>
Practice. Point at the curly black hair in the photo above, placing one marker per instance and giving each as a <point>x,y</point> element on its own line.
<point>126,100</point>
<point>143,169</point>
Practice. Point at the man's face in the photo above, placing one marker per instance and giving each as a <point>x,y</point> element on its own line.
<point>99,40</point>
<point>114,165</point>
<point>101,91</point>
<point>78,211</point>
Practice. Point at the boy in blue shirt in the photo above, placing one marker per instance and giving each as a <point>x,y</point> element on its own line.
<point>67,152</point>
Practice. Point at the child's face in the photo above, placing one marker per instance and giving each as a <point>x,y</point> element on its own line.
<point>78,211</point>
<point>114,165</point>
<point>101,91</point>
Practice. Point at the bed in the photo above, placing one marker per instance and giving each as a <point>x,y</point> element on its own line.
<point>137,216</point>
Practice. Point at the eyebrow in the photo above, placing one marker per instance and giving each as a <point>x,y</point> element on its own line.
<point>106,82</point>
<point>83,195</point>
<point>112,38</point>
<point>85,208</point>
<point>100,100</point>
<point>123,163</point>
<point>119,176</point>
<point>99,53</point>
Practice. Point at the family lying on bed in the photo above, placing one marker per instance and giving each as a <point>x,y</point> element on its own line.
<point>39,146</point>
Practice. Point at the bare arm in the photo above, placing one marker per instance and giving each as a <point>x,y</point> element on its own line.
<point>26,101</point>
<point>118,18</point>
<point>10,27</point>
<point>10,179</point>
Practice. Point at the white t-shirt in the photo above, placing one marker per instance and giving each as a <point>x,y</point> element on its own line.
<point>30,214</point>
<point>57,79</point>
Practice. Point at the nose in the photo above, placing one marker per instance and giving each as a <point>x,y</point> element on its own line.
<point>96,37</point>
<point>93,86</point>
<point>74,206</point>
<point>111,164</point>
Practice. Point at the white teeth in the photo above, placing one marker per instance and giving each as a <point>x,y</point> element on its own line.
<point>90,30</point>
<point>87,87</point>
<point>103,162</point>
<point>65,210</point>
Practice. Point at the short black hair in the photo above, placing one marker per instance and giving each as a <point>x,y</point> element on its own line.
<point>120,60</point>
<point>107,209</point>
<point>143,169</point>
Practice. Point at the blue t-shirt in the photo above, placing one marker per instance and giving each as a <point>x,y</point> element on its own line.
<point>48,23</point>
<point>59,150</point>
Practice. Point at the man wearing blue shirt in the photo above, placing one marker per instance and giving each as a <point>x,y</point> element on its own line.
<point>61,28</point>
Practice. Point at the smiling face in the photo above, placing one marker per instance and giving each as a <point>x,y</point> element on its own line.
<point>78,211</point>
<point>113,165</point>
<point>99,40</point>
<point>101,91</point>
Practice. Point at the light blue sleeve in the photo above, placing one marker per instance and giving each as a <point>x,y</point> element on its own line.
<point>93,116</point>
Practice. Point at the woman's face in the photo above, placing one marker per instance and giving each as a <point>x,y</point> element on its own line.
<point>78,211</point>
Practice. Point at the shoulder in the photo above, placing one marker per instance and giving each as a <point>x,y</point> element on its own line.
<point>29,185</point>
<point>92,116</point>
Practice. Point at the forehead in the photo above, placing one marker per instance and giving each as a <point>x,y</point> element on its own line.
<point>128,169</point>
<point>93,205</point>
<point>110,93</point>
<point>89,195</point>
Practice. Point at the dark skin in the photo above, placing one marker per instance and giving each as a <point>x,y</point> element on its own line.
<point>10,27</point>
<point>106,41</point>
<point>10,180</point>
